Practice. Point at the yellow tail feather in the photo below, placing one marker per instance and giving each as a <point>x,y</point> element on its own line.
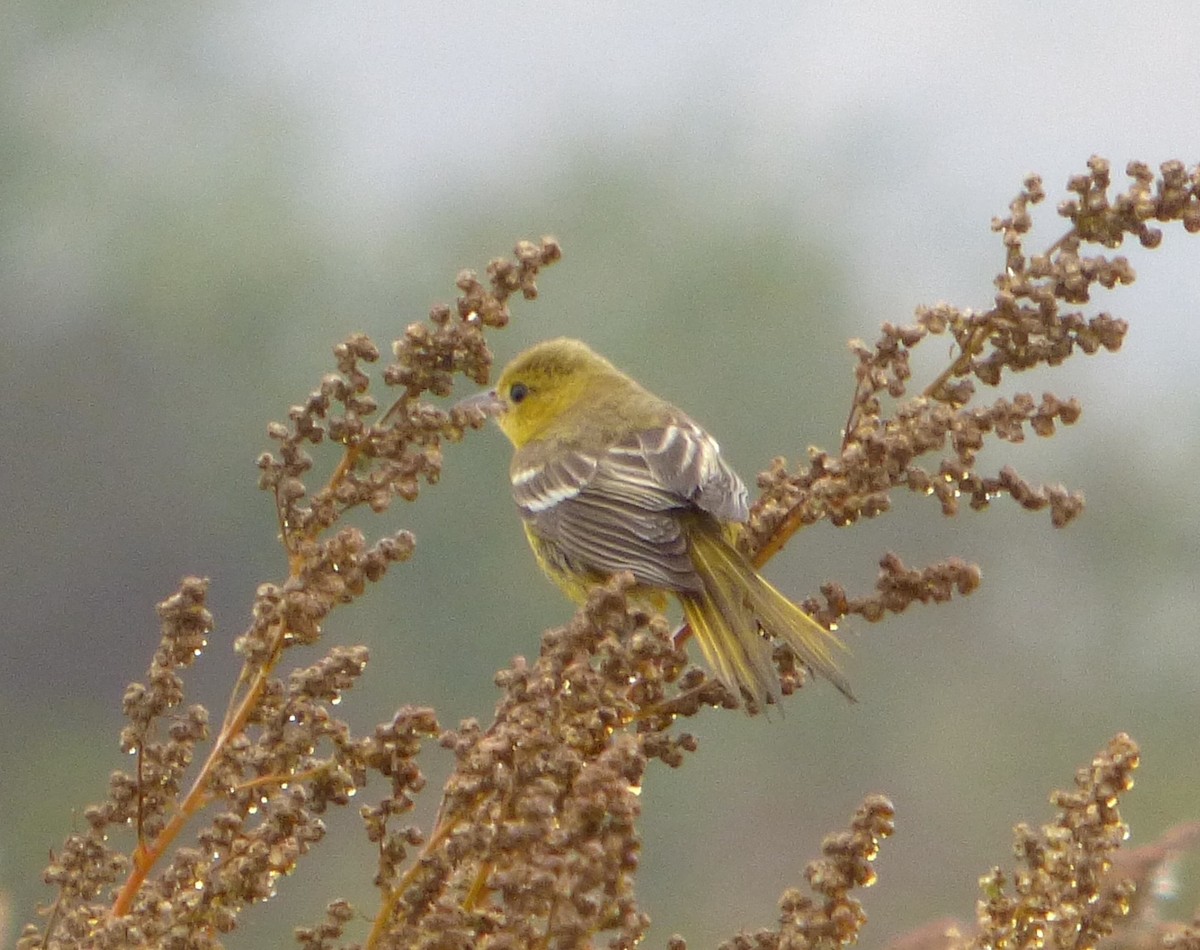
<point>736,613</point>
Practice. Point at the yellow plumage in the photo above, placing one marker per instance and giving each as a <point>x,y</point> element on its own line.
<point>609,477</point>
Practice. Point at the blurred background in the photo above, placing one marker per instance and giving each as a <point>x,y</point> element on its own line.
<point>197,201</point>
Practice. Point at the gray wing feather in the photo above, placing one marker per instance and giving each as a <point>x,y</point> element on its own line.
<point>618,510</point>
<point>687,460</point>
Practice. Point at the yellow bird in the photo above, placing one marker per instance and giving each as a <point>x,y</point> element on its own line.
<point>608,477</point>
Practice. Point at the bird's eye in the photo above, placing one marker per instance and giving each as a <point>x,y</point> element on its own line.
<point>517,392</point>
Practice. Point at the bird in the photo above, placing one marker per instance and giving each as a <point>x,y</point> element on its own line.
<point>610,478</point>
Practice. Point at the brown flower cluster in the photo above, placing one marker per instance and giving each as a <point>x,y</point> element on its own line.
<point>928,443</point>
<point>1057,895</point>
<point>1072,888</point>
<point>536,843</point>
<point>836,919</point>
<point>280,758</point>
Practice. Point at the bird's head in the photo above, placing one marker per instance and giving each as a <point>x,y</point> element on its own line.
<point>562,389</point>
<point>545,384</point>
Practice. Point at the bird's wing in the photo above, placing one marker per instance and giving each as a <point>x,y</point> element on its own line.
<point>619,509</point>
<point>687,461</point>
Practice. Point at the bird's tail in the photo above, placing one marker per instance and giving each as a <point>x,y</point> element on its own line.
<point>737,613</point>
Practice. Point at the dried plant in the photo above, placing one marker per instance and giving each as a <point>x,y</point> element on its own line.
<point>1071,887</point>
<point>536,843</point>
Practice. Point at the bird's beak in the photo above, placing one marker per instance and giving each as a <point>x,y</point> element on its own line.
<point>489,403</point>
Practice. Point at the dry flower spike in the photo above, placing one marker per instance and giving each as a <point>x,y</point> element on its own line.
<point>1072,887</point>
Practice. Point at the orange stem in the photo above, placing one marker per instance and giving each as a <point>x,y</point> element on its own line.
<point>146,856</point>
<point>393,896</point>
